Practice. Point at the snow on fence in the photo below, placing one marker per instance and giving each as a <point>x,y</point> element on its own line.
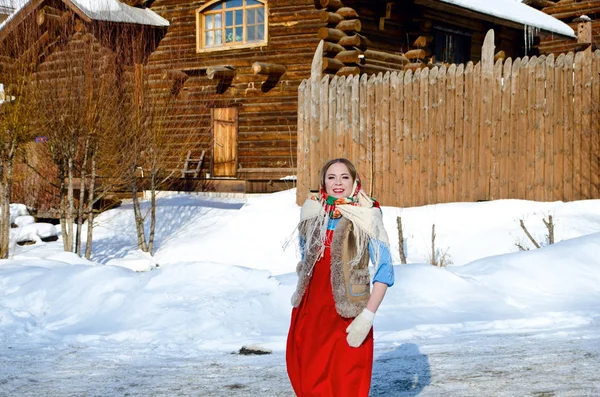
<point>525,129</point>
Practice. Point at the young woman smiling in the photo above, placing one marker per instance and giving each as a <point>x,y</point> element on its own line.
<point>330,341</point>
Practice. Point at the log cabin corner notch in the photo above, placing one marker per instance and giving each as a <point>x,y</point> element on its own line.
<point>231,24</point>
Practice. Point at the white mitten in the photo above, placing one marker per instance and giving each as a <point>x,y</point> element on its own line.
<point>359,328</point>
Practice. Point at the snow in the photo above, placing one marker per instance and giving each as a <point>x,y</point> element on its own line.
<point>498,321</point>
<point>100,10</point>
<point>515,11</point>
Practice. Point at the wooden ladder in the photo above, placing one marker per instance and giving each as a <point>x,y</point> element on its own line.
<point>192,166</point>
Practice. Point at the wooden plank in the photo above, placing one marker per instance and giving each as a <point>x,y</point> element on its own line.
<point>548,131</point>
<point>478,130</point>
<point>423,133</point>
<point>301,146</point>
<point>332,149</point>
<point>348,118</point>
<point>494,132</point>
<point>450,133</point>
<point>316,74</point>
<point>441,130</point>
<point>340,118</point>
<point>586,124</point>
<point>504,154</point>
<point>408,128</point>
<point>327,131</point>
<point>369,138</point>
<point>415,176</point>
<point>567,101</point>
<point>468,132</point>
<point>532,131</point>
<point>362,133</point>
<point>431,142</point>
<point>595,146</point>
<point>558,131</point>
<point>386,196</point>
<point>539,128</point>
<point>355,119</point>
<point>577,126</point>
<point>396,124</point>
<point>486,119</point>
<point>458,175</point>
<point>377,180</point>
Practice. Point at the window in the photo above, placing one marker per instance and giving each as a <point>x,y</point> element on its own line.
<point>231,24</point>
<point>451,46</point>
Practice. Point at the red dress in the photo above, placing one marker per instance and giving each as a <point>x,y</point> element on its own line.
<point>320,363</point>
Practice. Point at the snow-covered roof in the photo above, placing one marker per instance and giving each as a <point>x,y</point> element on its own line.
<point>115,11</point>
<point>516,11</point>
<point>100,10</point>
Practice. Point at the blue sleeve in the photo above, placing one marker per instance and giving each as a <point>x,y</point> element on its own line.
<point>385,270</point>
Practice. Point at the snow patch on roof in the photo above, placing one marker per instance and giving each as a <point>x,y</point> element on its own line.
<point>100,10</point>
<point>115,11</point>
<point>515,11</point>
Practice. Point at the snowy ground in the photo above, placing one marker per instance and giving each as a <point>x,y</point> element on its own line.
<point>497,322</point>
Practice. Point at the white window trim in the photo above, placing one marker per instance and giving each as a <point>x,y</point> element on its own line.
<point>225,47</point>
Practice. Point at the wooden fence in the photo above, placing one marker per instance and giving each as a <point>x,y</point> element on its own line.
<point>525,129</point>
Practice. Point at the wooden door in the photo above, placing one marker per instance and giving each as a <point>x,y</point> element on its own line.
<point>225,150</point>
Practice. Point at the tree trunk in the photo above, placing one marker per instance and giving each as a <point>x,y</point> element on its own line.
<point>152,213</point>
<point>70,206</point>
<point>6,179</point>
<point>90,204</point>
<point>80,207</point>
<point>139,219</point>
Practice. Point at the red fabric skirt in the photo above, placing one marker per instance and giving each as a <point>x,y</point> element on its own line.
<point>319,360</point>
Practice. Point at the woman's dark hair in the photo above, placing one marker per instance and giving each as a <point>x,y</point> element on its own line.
<point>346,162</point>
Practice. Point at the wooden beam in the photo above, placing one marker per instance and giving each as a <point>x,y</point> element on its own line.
<point>47,14</point>
<point>386,57</point>
<point>328,34</point>
<point>330,64</point>
<point>331,4</point>
<point>419,54</point>
<point>356,40</point>
<point>272,69</point>
<point>350,56</point>
<point>330,17</point>
<point>220,72</point>
<point>347,13</point>
<point>334,48</point>
<point>415,66</point>
<point>348,70</point>
<point>352,25</point>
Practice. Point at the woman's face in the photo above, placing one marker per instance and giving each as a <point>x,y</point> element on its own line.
<point>338,181</point>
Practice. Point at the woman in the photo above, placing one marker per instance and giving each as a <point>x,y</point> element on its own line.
<point>330,342</point>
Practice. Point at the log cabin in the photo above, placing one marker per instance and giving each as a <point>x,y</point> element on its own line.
<point>233,67</point>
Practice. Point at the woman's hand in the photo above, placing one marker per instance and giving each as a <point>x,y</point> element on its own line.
<point>359,328</point>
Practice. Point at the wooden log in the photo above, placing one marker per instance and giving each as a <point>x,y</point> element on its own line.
<point>386,57</point>
<point>272,69</point>
<point>331,4</point>
<point>356,40</point>
<point>48,14</point>
<point>175,75</point>
<point>348,70</point>
<point>347,13</point>
<point>423,41</point>
<point>540,3</point>
<point>330,17</point>
<point>220,72</point>
<point>334,48</point>
<point>351,25</point>
<point>350,57</point>
<point>414,66</point>
<point>419,54</point>
<point>328,34</point>
<point>374,69</point>
<point>330,64</point>
<point>500,55</point>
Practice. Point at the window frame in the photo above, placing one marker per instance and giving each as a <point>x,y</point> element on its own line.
<point>461,37</point>
<point>200,31</point>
